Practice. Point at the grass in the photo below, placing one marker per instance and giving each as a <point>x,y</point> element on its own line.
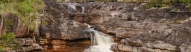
<point>28,11</point>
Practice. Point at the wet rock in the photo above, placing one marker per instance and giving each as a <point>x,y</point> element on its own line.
<point>114,47</point>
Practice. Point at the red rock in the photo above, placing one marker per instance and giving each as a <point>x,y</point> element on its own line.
<point>63,42</point>
<point>56,48</point>
<point>56,42</point>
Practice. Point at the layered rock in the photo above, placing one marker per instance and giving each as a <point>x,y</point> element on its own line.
<point>139,28</point>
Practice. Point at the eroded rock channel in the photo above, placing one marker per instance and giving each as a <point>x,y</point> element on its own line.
<point>134,27</point>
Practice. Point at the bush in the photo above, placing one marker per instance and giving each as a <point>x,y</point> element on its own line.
<point>28,11</point>
<point>8,39</point>
<point>1,48</point>
<point>132,0</point>
<point>161,3</point>
<point>154,3</point>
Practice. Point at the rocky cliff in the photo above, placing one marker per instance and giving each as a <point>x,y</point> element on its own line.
<point>136,27</point>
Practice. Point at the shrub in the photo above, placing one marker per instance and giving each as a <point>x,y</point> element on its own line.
<point>28,11</point>
<point>132,0</point>
<point>8,39</point>
<point>1,48</point>
<point>154,3</point>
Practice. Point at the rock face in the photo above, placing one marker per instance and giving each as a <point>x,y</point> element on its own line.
<point>139,28</point>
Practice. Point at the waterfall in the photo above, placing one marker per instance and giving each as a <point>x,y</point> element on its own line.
<point>101,42</point>
<point>72,7</point>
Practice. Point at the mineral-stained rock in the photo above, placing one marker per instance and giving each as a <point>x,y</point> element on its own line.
<point>57,48</point>
<point>56,42</point>
<point>63,42</point>
<point>44,41</point>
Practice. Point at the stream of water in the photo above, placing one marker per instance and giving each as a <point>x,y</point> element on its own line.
<point>100,42</point>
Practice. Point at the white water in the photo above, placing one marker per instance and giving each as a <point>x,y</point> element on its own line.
<point>101,42</point>
<point>72,7</point>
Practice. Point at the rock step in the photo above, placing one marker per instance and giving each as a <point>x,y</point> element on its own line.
<point>128,48</point>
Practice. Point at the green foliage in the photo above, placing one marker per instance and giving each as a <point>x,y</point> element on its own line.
<point>167,1</point>
<point>28,11</point>
<point>8,39</point>
<point>185,1</point>
<point>161,3</point>
<point>9,23</point>
<point>154,3</point>
<point>24,7</point>
<point>132,0</point>
<point>1,48</point>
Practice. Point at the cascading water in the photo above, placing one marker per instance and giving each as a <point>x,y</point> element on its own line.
<point>101,42</point>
